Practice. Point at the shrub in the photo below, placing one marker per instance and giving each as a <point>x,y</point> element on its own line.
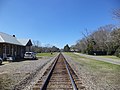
<point>117,53</point>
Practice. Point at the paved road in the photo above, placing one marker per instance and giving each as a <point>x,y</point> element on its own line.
<point>113,61</point>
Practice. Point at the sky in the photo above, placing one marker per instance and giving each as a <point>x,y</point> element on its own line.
<point>55,22</point>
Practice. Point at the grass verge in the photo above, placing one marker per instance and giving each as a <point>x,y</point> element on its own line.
<point>101,72</point>
<point>46,54</point>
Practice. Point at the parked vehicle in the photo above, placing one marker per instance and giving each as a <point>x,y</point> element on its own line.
<point>10,58</point>
<point>30,55</point>
<point>1,60</point>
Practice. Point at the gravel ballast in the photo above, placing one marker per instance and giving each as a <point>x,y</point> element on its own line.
<point>17,75</point>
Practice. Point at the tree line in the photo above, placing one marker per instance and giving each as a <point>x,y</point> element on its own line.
<point>44,49</point>
<point>103,41</point>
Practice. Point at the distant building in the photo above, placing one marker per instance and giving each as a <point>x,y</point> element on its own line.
<point>74,50</point>
<point>10,45</point>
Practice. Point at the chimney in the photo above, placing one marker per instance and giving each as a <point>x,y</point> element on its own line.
<point>13,35</point>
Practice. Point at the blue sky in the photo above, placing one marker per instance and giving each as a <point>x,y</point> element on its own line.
<point>55,22</point>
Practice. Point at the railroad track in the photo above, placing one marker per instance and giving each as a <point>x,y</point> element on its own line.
<point>59,76</point>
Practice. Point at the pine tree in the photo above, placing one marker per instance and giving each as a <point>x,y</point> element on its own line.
<point>66,48</point>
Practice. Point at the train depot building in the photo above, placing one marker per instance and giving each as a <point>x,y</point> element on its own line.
<point>11,46</point>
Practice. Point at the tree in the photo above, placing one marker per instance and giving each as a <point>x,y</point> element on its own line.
<point>99,42</point>
<point>103,38</point>
<point>47,48</point>
<point>67,48</point>
<point>36,46</point>
<point>55,49</point>
<point>116,41</point>
<point>116,13</point>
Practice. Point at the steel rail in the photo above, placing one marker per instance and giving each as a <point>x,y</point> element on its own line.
<point>44,86</point>
<point>71,78</point>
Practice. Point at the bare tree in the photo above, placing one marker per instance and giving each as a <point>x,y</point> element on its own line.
<point>116,13</point>
<point>36,43</point>
<point>98,41</point>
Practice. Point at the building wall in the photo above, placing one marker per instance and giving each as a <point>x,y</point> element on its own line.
<point>28,48</point>
<point>11,50</point>
<point>1,50</point>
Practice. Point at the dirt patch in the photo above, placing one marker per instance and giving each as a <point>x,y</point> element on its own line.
<point>16,75</point>
<point>5,81</point>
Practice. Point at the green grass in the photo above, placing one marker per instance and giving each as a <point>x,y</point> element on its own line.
<point>45,54</point>
<point>94,64</point>
<point>108,56</point>
<point>101,71</point>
